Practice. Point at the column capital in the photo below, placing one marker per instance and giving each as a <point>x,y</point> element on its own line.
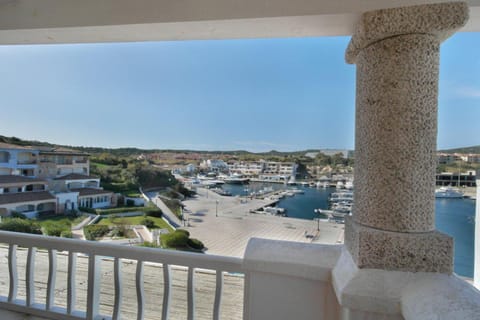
<point>440,20</point>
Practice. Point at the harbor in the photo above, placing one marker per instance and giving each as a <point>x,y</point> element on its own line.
<point>308,211</point>
<point>225,223</point>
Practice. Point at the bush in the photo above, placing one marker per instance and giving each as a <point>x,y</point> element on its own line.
<point>95,231</point>
<point>18,215</point>
<point>175,240</point>
<point>54,230</point>
<point>149,244</point>
<point>195,244</point>
<point>88,210</point>
<point>154,213</point>
<point>183,231</point>
<point>149,223</point>
<point>66,234</point>
<point>21,225</point>
<point>118,232</point>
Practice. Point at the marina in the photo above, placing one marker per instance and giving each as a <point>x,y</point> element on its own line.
<point>454,216</point>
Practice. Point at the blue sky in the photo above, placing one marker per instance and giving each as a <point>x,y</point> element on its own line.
<point>258,95</point>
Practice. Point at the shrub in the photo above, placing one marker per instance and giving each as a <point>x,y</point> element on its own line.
<point>95,231</point>
<point>54,230</point>
<point>21,225</point>
<point>175,240</point>
<point>118,232</point>
<point>149,244</point>
<point>149,223</point>
<point>18,215</point>
<point>66,234</point>
<point>183,231</point>
<point>154,213</point>
<point>195,244</point>
<point>88,210</point>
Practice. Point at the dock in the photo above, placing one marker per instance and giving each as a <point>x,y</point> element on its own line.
<point>470,192</point>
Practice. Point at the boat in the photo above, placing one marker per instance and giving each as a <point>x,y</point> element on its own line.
<point>222,192</point>
<point>236,179</point>
<point>296,191</point>
<point>274,210</point>
<point>341,196</point>
<point>323,184</point>
<point>349,185</point>
<point>291,181</point>
<point>448,192</point>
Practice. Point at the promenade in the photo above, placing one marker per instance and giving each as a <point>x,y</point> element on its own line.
<point>226,226</point>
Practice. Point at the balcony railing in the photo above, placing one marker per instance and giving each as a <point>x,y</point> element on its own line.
<point>26,162</point>
<point>282,280</point>
<point>19,243</point>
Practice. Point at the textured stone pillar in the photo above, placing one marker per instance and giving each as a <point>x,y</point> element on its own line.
<point>397,56</point>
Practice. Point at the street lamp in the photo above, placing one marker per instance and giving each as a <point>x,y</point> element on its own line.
<point>216,208</point>
<point>317,211</point>
<point>182,215</point>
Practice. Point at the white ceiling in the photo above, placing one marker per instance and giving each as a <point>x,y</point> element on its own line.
<point>67,21</point>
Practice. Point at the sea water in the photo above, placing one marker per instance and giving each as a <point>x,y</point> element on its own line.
<point>454,217</point>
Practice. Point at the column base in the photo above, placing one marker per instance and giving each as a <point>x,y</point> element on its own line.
<point>394,295</point>
<point>415,252</point>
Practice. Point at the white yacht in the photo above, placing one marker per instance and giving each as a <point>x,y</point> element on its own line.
<point>448,192</point>
<point>236,179</point>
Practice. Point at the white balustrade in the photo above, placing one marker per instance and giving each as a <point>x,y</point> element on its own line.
<point>283,280</point>
<point>96,252</point>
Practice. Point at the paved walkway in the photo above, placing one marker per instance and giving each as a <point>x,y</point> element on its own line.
<point>225,227</point>
<point>167,213</point>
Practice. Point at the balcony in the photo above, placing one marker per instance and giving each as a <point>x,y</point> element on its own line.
<point>59,278</point>
<point>72,279</point>
<point>27,162</point>
<point>394,264</point>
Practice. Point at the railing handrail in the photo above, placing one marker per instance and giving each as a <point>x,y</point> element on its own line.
<point>171,257</point>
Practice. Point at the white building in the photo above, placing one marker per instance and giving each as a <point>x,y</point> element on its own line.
<point>18,160</point>
<point>248,168</point>
<point>40,179</point>
<point>29,196</point>
<point>214,165</point>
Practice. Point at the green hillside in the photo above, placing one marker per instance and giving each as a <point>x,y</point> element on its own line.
<point>473,149</point>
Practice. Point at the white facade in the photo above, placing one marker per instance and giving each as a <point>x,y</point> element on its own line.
<point>246,168</point>
<point>95,201</point>
<point>214,165</point>
<point>66,201</point>
<point>18,161</point>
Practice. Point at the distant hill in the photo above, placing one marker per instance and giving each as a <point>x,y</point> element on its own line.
<point>473,149</point>
<point>135,151</point>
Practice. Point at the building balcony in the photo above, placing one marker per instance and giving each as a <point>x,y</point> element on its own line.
<point>27,162</point>
<point>58,278</point>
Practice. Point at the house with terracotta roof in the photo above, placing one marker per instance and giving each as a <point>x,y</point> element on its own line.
<point>77,190</point>
<point>29,196</point>
<point>35,180</point>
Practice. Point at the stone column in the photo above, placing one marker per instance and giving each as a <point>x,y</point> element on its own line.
<point>397,56</point>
